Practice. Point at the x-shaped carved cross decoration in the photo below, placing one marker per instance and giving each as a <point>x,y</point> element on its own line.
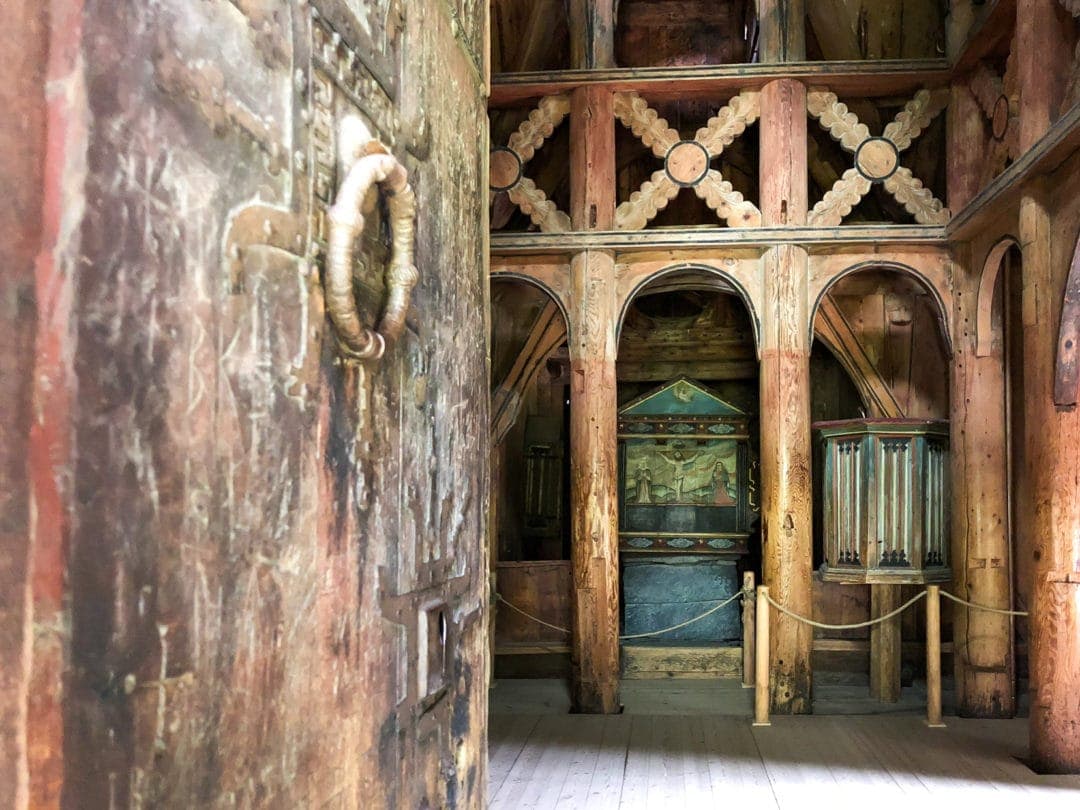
<point>686,163</point>
<point>506,170</point>
<point>877,158</point>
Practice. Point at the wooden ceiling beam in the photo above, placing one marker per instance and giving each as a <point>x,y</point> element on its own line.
<point>507,244</point>
<point>890,77</point>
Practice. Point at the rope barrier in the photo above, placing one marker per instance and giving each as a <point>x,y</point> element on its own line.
<point>709,612</point>
<point>782,609</point>
<point>512,606</point>
<point>855,626</point>
<point>679,626</point>
<point>1003,612</point>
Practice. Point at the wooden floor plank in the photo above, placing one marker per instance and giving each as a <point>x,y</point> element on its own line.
<point>667,778</point>
<point>796,760</point>
<point>606,785</point>
<point>524,768</point>
<point>639,753</point>
<point>581,764</point>
<point>507,735</point>
<point>694,760</point>
<point>561,740</point>
<point>684,759</point>
<point>736,771</point>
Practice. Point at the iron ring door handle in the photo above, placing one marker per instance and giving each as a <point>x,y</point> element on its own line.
<point>368,163</point>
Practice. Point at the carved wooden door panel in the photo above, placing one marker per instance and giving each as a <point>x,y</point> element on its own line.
<point>291,545</point>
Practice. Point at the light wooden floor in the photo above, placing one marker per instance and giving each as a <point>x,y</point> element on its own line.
<point>682,757</point>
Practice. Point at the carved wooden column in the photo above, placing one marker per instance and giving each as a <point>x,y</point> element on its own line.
<point>983,661</point>
<point>785,395</point>
<point>982,642</point>
<point>1053,443</point>
<point>1051,435</point>
<point>1041,46</point>
<point>593,406</point>
<point>592,33</point>
<point>783,30</point>
<point>965,155</point>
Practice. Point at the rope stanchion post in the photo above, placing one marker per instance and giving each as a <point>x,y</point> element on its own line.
<point>933,656</point>
<point>748,630</point>
<point>761,658</point>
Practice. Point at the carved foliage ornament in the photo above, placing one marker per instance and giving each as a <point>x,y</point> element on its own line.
<point>999,99</point>
<point>507,163</point>
<point>686,162</point>
<point>877,158</point>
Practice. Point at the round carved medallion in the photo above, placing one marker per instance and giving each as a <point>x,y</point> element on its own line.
<point>999,120</point>
<point>504,169</point>
<point>687,163</point>
<point>877,159</point>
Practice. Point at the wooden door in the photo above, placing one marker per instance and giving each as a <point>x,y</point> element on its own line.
<point>278,575</point>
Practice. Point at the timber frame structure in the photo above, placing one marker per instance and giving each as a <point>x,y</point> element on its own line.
<point>781,254</point>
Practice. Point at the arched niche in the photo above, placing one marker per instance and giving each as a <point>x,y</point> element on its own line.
<point>529,418</point>
<point>934,286</point>
<point>695,275</point>
<point>889,359</point>
<point>688,390</point>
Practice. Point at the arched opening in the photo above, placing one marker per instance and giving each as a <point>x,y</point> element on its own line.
<point>1000,359</point>
<point>883,327</point>
<point>529,520</point>
<point>687,377</point>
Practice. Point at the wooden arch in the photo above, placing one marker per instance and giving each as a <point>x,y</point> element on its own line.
<point>730,279</point>
<point>899,267</point>
<point>555,295</point>
<point>984,305</point>
<point>547,333</point>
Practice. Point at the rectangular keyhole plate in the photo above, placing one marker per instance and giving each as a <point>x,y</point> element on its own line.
<point>433,635</point>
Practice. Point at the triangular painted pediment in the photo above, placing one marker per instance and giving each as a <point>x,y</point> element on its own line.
<point>680,397</point>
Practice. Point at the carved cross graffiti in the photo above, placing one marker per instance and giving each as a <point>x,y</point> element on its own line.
<point>506,170</point>
<point>686,162</point>
<point>877,158</point>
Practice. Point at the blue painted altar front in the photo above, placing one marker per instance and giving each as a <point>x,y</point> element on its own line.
<point>687,507</point>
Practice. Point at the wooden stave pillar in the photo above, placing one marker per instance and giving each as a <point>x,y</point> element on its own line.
<point>786,506</point>
<point>593,489</point>
<point>1052,436</point>
<point>593,410</point>
<point>592,34</point>
<point>983,660</point>
<point>786,492</point>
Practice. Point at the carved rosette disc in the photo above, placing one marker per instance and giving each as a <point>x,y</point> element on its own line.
<point>999,118</point>
<point>687,163</point>
<point>877,159</point>
<point>504,169</point>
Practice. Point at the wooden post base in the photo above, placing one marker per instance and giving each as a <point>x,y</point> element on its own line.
<point>885,644</point>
